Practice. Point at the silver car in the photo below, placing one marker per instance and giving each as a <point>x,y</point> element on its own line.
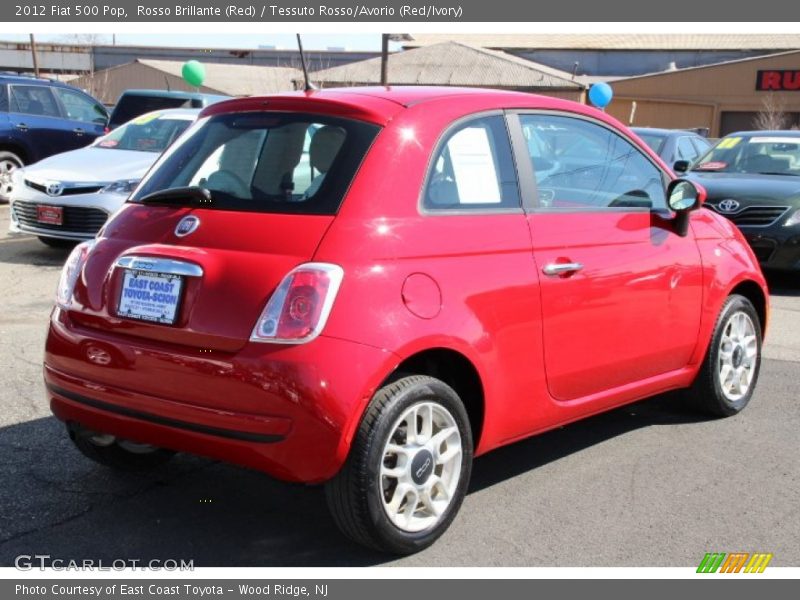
<point>69,197</point>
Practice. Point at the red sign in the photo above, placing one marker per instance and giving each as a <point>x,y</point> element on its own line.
<point>778,80</point>
<point>50,215</point>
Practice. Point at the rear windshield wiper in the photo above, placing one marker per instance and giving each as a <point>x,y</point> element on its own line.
<point>180,196</point>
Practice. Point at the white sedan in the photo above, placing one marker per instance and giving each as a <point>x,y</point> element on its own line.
<point>69,197</point>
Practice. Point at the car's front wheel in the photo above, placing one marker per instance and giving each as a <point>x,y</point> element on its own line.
<point>728,376</point>
<point>9,162</point>
<point>408,468</point>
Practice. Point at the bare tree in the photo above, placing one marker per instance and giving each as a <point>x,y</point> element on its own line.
<point>771,116</point>
<point>85,39</point>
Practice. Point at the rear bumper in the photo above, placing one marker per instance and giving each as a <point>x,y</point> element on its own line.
<point>287,411</point>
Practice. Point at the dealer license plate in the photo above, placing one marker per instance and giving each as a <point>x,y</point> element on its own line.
<point>149,296</point>
<point>50,215</point>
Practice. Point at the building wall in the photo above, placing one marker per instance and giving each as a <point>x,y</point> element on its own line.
<point>723,88</point>
<point>107,86</point>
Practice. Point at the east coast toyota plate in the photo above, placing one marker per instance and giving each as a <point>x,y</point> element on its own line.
<point>149,296</point>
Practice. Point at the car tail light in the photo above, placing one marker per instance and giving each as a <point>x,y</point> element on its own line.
<point>71,271</point>
<point>297,311</point>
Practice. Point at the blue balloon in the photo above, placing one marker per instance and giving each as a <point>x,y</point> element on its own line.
<point>600,94</point>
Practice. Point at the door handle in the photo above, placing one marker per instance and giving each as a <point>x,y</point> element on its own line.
<point>21,126</point>
<point>554,269</point>
<point>79,131</point>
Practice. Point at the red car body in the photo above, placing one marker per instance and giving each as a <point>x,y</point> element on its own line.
<point>462,295</point>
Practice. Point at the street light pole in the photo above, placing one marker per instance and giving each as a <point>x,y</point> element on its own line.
<point>384,58</point>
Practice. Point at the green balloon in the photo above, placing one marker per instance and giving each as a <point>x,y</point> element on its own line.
<point>193,73</point>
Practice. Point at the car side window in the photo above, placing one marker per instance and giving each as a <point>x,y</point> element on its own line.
<point>579,164</point>
<point>80,107</point>
<point>473,169</point>
<point>34,100</point>
<point>701,144</point>
<point>3,97</point>
<point>685,149</point>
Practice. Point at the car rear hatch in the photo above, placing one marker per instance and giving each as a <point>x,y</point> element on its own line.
<point>222,218</point>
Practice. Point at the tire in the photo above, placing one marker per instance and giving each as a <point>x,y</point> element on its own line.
<point>8,163</point>
<point>714,392</point>
<point>118,454</point>
<point>379,479</point>
<point>57,242</point>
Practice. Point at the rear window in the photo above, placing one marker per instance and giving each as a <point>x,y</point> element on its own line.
<point>267,162</point>
<point>148,133</point>
<point>132,106</point>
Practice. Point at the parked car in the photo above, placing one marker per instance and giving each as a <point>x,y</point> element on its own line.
<point>673,145</point>
<point>753,179</point>
<point>133,103</point>
<point>430,299</point>
<point>68,197</point>
<point>42,117</point>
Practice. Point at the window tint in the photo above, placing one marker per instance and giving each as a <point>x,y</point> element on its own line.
<point>133,105</point>
<point>3,98</point>
<point>148,133</point>
<point>267,162</point>
<point>34,100</point>
<point>473,169</point>
<point>80,107</point>
<point>586,165</point>
<point>701,144</point>
<point>685,150</point>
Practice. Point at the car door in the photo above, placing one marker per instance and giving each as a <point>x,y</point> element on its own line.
<point>620,291</point>
<point>87,118</point>
<point>35,115</point>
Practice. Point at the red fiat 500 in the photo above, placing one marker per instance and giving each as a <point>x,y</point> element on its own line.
<point>369,287</point>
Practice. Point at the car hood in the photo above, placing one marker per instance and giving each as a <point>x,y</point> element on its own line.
<point>100,165</point>
<point>747,186</point>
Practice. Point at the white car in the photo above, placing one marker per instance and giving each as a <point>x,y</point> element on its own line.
<point>69,197</point>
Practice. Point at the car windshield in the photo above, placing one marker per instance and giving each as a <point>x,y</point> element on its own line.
<point>266,162</point>
<point>656,142</point>
<point>153,132</point>
<point>758,154</point>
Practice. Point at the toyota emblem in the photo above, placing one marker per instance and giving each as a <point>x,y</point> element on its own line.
<point>728,205</point>
<point>187,225</point>
<point>54,188</point>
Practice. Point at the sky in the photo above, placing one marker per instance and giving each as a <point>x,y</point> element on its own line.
<point>349,41</point>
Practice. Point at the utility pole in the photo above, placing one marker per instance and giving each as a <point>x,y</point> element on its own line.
<point>384,57</point>
<point>35,59</point>
<point>385,39</point>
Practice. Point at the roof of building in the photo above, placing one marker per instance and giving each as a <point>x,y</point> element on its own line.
<point>451,64</point>
<point>234,80</point>
<point>678,72</point>
<point>617,41</point>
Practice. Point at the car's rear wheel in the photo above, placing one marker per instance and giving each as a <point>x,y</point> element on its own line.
<point>9,162</point>
<point>118,454</point>
<point>408,468</point>
<point>728,376</point>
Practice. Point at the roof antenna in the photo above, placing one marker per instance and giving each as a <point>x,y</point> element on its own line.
<point>308,85</point>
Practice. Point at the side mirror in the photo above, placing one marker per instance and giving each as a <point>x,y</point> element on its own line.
<point>681,166</point>
<point>684,196</point>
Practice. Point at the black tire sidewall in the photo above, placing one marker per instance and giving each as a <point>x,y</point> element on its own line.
<point>389,534</point>
<point>733,305</point>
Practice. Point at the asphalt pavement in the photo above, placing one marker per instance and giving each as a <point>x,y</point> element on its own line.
<point>651,484</point>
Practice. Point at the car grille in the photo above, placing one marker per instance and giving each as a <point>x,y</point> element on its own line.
<point>68,191</point>
<point>77,219</point>
<point>753,216</point>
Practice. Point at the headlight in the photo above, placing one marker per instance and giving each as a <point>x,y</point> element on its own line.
<point>124,186</point>
<point>71,271</point>
<point>794,219</point>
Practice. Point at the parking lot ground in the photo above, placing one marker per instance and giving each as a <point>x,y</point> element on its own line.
<point>646,485</point>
